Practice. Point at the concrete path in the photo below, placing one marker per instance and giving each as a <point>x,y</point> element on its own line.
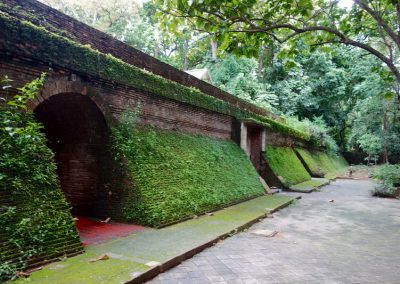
<point>149,251</point>
<point>353,239</point>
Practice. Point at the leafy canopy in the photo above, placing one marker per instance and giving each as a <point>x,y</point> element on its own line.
<point>245,26</point>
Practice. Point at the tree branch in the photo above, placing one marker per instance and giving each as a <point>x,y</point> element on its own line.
<point>380,21</point>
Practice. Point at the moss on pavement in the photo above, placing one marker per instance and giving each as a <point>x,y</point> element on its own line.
<point>129,255</point>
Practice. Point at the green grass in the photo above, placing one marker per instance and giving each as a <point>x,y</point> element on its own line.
<point>175,175</point>
<point>284,163</point>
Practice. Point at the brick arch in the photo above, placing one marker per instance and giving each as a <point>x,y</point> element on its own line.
<point>78,134</point>
<point>66,84</point>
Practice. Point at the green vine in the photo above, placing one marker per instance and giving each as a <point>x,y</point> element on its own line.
<point>33,210</point>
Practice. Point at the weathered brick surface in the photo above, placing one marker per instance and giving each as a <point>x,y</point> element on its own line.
<point>58,22</point>
<point>114,99</point>
<point>70,119</point>
<point>279,139</point>
<point>82,108</point>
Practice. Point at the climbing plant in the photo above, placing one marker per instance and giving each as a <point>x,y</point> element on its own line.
<point>34,216</point>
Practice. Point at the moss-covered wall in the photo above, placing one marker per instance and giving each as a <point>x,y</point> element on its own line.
<point>321,164</point>
<point>175,175</point>
<point>285,164</point>
<point>66,26</point>
<point>339,161</point>
<point>21,37</point>
<point>36,225</point>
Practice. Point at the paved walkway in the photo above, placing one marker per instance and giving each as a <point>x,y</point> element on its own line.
<point>146,250</point>
<point>354,239</point>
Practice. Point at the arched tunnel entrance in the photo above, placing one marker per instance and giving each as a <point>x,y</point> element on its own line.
<point>77,133</point>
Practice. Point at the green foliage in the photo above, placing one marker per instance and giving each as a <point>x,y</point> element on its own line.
<point>176,175</point>
<point>284,163</point>
<point>376,125</point>
<point>136,25</point>
<point>33,210</point>
<point>311,162</point>
<point>338,160</point>
<point>238,76</point>
<point>322,164</point>
<point>308,72</point>
<point>279,126</point>
<point>318,130</point>
<point>245,27</point>
<point>388,173</point>
<point>388,177</point>
<point>84,59</point>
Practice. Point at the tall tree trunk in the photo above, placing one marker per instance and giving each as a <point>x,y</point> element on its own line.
<point>94,19</point>
<point>261,60</point>
<point>214,47</point>
<point>385,128</point>
<point>185,63</point>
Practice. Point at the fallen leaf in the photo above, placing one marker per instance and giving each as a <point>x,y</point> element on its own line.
<point>265,233</point>
<point>153,263</point>
<point>106,220</point>
<point>22,274</point>
<point>101,257</point>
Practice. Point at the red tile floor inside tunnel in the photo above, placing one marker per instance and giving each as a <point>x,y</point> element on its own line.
<point>94,231</point>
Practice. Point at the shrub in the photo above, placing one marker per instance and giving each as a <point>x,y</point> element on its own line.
<point>388,178</point>
<point>33,210</point>
<point>317,129</point>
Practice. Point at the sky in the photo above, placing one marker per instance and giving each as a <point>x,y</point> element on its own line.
<point>345,3</point>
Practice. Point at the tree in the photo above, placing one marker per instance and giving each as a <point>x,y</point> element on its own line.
<point>376,127</point>
<point>238,76</point>
<point>245,26</point>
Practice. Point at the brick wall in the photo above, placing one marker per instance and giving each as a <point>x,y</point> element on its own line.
<point>77,161</point>
<point>275,138</point>
<point>113,99</point>
<point>58,22</point>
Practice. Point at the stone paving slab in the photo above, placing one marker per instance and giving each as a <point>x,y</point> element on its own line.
<point>131,258</point>
<point>338,235</point>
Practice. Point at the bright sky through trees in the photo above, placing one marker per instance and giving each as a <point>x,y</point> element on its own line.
<point>345,3</point>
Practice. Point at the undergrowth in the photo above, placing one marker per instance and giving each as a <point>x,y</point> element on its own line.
<point>388,180</point>
<point>33,209</point>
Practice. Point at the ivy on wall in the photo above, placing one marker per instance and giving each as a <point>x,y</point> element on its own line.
<point>34,216</point>
<point>285,165</point>
<point>176,175</point>
<point>50,47</point>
